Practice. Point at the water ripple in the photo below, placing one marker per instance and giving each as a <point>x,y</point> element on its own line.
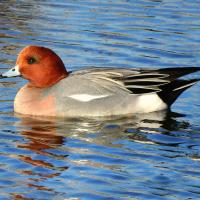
<point>153,156</point>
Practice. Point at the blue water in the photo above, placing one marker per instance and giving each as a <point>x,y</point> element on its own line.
<point>154,156</point>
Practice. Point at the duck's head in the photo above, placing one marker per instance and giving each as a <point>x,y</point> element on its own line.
<point>40,65</point>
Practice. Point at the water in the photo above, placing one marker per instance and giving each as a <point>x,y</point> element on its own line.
<point>152,156</point>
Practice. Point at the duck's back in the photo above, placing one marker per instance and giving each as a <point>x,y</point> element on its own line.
<point>92,94</point>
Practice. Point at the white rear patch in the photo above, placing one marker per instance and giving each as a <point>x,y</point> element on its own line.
<point>150,103</point>
<point>86,97</point>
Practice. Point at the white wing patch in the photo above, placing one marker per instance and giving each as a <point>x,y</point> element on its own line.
<point>86,97</point>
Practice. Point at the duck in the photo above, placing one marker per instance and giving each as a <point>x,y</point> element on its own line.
<point>54,91</point>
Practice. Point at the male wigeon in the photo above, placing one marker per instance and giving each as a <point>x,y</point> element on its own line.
<point>53,91</point>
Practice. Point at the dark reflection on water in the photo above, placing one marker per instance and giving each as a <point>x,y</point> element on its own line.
<point>150,156</point>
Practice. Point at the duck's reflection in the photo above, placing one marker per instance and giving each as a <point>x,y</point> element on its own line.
<point>44,136</point>
<point>49,140</point>
<point>51,133</point>
<point>40,134</point>
<point>39,137</point>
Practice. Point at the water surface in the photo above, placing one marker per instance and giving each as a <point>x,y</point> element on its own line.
<point>151,156</point>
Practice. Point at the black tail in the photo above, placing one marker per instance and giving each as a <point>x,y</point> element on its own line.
<point>170,92</point>
<point>178,72</point>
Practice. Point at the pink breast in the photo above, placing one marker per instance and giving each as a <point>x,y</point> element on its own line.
<point>32,101</point>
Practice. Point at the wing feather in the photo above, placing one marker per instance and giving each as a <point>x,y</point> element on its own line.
<point>135,81</point>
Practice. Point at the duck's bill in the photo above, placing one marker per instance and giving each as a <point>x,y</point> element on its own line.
<point>13,72</point>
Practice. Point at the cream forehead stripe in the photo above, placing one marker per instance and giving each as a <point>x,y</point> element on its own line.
<point>12,72</point>
<point>86,97</point>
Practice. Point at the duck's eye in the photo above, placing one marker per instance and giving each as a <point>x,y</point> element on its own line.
<point>31,60</point>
